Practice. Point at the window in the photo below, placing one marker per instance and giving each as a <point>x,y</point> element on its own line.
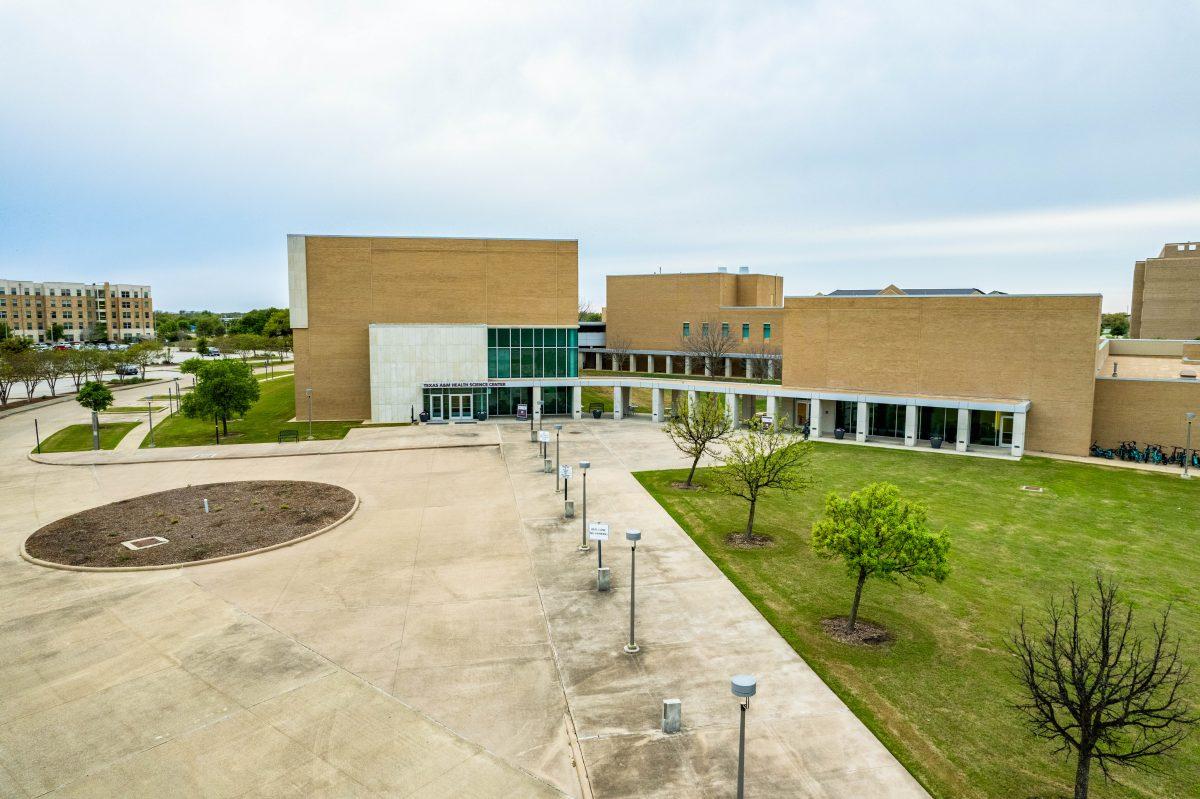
<point>532,352</point>
<point>745,331</point>
<point>767,331</point>
<point>724,328</point>
<point>704,328</point>
<point>687,329</point>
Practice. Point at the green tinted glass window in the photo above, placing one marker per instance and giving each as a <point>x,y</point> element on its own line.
<point>526,337</point>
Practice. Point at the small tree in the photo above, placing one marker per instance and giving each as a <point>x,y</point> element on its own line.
<point>95,397</point>
<point>202,346</point>
<point>27,369</point>
<point>878,533</point>
<point>766,353</point>
<point>99,362</point>
<point>711,343</point>
<point>75,364</point>
<point>223,388</point>
<point>5,331</point>
<point>279,323</point>
<point>618,347</point>
<point>1097,689</point>
<point>51,365</point>
<point>143,354</point>
<point>7,377</point>
<point>760,459</point>
<point>696,429</point>
<point>98,332</point>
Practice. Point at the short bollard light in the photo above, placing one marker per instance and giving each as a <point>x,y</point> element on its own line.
<point>557,432</point>
<point>583,467</point>
<point>632,536</point>
<point>743,686</point>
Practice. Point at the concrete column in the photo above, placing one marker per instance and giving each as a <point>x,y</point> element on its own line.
<point>632,362</point>
<point>770,369</point>
<point>771,409</point>
<point>814,418</point>
<point>668,364</point>
<point>656,405</point>
<point>692,402</point>
<point>729,367</point>
<point>749,368</point>
<point>576,402</point>
<point>687,364</point>
<point>964,429</point>
<point>1018,435</point>
<point>731,409</point>
<point>618,403</point>
<point>748,409</point>
<point>910,425</point>
<point>536,410</point>
<point>860,433</point>
<point>599,360</point>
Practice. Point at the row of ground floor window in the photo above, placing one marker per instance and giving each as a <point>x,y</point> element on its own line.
<point>903,423</point>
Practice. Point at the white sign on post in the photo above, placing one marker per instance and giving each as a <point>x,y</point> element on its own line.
<point>598,531</point>
<point>564,471</point>
<point>544,435</point>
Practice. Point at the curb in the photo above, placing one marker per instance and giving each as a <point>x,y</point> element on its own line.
<point>61,398</point>
<point>222,558</point>
<point>33,456</point>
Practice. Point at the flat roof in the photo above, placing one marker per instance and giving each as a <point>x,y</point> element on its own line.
<point>436,238</point>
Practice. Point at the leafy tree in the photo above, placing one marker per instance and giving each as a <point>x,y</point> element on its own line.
<point>77,365</point>
<point>878,533</point>
<point>697,429</point>
<point>143,354</point>
<point>279,323</point>
<point>98,332</point>
<point>1117,324</point>
<point>5,330</point>
<point>99,362</point>
<point>209,325</point>
<point>202,346</point>
<point>1096,688</point>
<point>51,365</point>
<point>223,388</point>
<point>7,377</point>
<point>56,332</point>
<point>586,314</point>
<point>760,459</point>
<point>95,397</point>
<point>14,344</point>
<point>27,368</point>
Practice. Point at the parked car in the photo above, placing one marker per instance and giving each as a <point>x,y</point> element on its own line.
<point>128,370</point>
<point>213,352</point>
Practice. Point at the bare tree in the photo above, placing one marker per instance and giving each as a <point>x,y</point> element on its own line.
<point>710,343</point>
<point>763,353</point>
<point>696,429</point>
<point>763,458</point>
<point>1097,689</point>
<point>619,347</point>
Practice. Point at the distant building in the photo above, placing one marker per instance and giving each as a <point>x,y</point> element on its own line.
<point>31,310</point>
<point>1166,294</point>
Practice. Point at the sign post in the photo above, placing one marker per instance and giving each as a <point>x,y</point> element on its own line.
<point>598,532</point>
<point>564,471</point>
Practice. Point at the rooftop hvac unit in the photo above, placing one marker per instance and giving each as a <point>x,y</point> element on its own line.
<point>722,269</point>
<point>743,270</point>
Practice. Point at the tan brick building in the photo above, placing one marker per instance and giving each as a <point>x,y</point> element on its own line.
<point>1166,294</point>
<point>375,318</point>
<point>657,318</point>
<point>31,310</point>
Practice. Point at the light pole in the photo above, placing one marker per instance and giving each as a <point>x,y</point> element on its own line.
<point>178,397</point>
<point>743,686</point>
<point>308,393</point>
<point>1187,450</point>
<point>557,432</point>
<point>583,545</point>
<point>632,536</point>
<point>150,416</point>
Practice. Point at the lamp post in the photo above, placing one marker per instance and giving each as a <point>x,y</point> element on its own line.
<point>632,536</point>
<point>1187,450</point>
<point>557,432</point>
<point>743,686</point>
<point>150,417</point>
<point>583,545</point>
<point>308,393</point>
<point>178,397</point>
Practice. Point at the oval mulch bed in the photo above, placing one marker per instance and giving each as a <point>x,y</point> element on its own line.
<point>242,516</point>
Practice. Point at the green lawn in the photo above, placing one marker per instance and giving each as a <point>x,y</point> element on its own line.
<point>78,437</point>
<point>275,406</point>
<point>938,695</point>
<point>274,374</point>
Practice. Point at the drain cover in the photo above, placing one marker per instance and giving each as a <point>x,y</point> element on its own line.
<point>1034,489</point>
<point>145,543</point>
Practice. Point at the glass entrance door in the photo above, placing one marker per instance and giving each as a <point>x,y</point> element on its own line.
<point>435,406</point>
<point>460,406</point>
<point>1006,429</point>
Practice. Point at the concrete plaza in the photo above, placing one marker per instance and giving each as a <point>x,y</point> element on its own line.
<point>447,640</point>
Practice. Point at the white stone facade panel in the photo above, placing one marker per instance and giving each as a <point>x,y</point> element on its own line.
<point>403,357</point>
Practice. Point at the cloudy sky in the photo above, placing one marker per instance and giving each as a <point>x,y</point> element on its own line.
<point>1018,146</point>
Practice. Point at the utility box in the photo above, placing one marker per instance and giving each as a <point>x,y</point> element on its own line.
<point>672,717</point>
<point>569,509</point>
